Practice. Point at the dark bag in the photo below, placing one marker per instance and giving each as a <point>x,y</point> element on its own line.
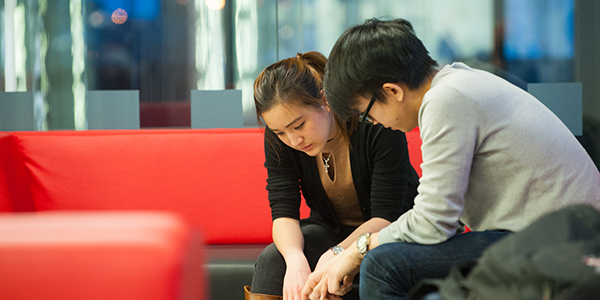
<point>556,257</point>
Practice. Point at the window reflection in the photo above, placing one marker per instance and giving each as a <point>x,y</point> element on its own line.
<point>209,47</point>
<point>539,47</point>
<point>166,48</point>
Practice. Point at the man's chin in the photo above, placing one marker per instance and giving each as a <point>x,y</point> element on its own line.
<point>394,128</point>
<point>404,129</point>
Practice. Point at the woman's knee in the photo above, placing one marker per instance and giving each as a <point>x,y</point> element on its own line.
<point>269,256</point>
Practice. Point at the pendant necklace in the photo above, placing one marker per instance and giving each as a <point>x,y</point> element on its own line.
<point>326,160</point>
<point>326,163</point>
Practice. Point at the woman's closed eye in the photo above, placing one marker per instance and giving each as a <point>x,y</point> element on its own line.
<point>280,133</point>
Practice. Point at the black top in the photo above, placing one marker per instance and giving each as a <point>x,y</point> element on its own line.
<point>384,180</point>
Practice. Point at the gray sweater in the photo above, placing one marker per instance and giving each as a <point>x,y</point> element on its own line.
<point>493,157</point>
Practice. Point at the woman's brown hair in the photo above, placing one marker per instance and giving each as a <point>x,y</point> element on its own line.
<point>296,80</point>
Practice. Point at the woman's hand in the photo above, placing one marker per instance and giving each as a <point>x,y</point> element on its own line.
<point>325,257</point>
<point>296,274</point>
<point>335,277</point>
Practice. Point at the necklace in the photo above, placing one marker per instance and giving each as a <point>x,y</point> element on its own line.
<point>326,163</point>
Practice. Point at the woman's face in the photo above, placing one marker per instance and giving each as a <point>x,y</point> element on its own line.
<point>301,127</point>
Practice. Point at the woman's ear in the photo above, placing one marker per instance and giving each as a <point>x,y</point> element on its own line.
<point>324,102</point>
<point>327,107</point>
<point>393,91</point>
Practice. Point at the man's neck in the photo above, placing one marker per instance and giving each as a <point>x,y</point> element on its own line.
<point>415,98</point>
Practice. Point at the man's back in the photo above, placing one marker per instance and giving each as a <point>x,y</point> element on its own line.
<point>511,157</point>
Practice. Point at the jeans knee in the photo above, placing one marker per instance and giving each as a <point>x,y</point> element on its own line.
<point>384,262</point>
<point>371,263</point>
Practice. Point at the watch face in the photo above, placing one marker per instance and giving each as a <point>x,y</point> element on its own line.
<point>362,239</point>
<point>362,243</point>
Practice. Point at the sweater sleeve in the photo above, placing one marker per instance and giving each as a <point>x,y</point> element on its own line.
<point>449,126</point>
<point>283,183</point>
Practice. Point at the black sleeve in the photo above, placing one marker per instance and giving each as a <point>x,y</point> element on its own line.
<point>393,185</point>
<point>283,182</point>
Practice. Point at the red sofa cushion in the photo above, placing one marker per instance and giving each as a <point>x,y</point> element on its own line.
<point>135,255</point>
<point>214,178</point>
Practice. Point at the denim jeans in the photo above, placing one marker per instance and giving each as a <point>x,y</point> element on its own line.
<point>391,270</point>
<point>270,267</point>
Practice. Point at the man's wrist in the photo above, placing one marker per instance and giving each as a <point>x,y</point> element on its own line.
<point>354,255</point>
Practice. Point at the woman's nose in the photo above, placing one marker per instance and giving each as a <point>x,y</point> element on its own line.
<point>295,140</point>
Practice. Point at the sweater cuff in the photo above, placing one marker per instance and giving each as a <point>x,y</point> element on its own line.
<point>385,236</point>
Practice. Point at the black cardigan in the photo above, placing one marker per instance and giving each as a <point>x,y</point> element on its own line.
<point>384,180</point>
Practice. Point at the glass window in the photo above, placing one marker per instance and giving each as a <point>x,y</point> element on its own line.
<point>166,48</point>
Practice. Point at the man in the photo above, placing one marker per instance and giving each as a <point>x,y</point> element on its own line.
<point>494,158</point>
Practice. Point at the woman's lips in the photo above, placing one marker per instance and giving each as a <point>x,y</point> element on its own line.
<point>306,148</point>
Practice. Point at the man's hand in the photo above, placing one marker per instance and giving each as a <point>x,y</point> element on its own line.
<point>335,277</point>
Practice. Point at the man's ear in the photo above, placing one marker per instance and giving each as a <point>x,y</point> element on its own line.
<point>394,90</point>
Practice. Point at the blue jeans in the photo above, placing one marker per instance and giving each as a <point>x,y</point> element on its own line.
<point>391,270</point>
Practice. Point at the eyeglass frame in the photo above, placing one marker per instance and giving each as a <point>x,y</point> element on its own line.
<point>364,117</point>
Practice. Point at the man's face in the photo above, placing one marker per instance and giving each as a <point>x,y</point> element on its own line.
<point>393,114</point>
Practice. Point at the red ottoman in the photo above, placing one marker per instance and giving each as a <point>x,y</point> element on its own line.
<point>99,255</point>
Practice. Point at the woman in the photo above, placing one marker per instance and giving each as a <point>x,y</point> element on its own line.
<point>355,177</point>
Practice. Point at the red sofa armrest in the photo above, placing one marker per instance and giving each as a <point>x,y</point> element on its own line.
<point>109,255</point>
<point>15,191</point>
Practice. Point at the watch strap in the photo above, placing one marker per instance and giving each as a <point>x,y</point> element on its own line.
<point>337,249</point>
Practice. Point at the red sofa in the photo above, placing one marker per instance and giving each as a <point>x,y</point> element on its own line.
<point>213,179</point>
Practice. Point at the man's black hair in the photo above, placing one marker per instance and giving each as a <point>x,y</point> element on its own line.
<point>368,55</point>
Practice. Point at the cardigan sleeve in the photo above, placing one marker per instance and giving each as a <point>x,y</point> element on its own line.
<point>283,182</point>
<point>393,180</point>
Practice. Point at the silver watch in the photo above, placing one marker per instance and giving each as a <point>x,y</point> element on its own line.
<point>362,243</point>
<point>337,249</point>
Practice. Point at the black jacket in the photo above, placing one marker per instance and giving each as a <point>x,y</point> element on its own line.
<point>384,180</point>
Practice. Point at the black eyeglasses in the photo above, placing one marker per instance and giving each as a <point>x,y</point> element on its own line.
<point>364,117</point>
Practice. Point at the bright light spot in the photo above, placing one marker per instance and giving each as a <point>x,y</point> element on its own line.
<point>286,32</point>
<point>119,16</point>
<point>96,19</point>
<point>215,4</point>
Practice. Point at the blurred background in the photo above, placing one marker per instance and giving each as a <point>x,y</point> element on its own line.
<point>57,50</point>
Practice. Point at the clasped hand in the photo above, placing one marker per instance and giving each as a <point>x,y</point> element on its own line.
<point>334,278</point>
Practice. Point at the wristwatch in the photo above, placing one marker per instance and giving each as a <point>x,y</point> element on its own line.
<point>362,243</point>
<point>337,249</point>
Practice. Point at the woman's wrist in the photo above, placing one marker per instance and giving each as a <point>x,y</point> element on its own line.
<point>336,249</point>
<point>295,259</point>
